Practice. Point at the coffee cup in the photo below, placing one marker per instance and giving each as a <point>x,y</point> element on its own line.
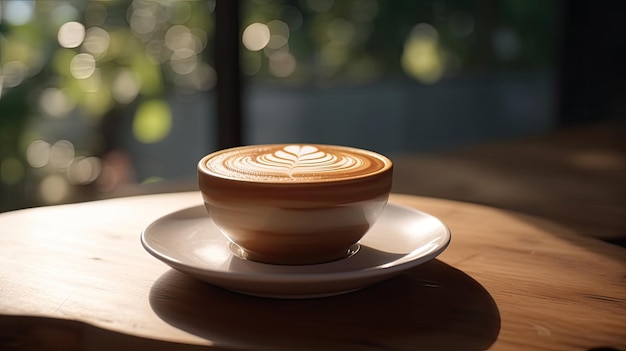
<point>294,203</point>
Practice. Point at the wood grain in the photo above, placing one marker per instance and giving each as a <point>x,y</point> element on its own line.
<point>77,277</point>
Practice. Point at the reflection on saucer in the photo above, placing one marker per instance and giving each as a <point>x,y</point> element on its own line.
<point>240,253</point>
<point>361,258</point>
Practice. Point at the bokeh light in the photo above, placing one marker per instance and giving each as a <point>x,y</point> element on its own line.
<point>18,12</point>
<point>202,78</point>
<point>53,189</point>
<point>179,37</point>
<point>282,64</point>
<point>13,73</point>
<point>206,77</point>
<point>83,66</point>
<point>279,34</point>
<point>256,36</point>
<point>97,41</point>
<point>61,154</point>
<point>143,19</point>
<point>84,170</point>
<point>157,51</point>
<point>200,38</point>
<point>55,103</point>
<point>38,153</point>
<point>422,58</point>
<point>152,122</point>
<point>71,34</point>
<point>184,61</point>
<point>125,86</point>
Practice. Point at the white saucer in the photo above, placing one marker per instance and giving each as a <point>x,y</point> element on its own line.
<point>402,238</point>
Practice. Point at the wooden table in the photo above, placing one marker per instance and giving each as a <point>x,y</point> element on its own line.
<point>75,277</point>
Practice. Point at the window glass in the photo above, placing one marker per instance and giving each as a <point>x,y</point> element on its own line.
<point>398,76</point>
<point>97,97</point>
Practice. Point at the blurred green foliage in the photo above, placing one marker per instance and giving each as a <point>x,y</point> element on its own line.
<point>136,53</point>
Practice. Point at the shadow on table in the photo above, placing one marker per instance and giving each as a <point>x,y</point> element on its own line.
<point>433,306</point>
<point>25,333</point>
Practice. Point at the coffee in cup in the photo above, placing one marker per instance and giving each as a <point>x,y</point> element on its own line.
<point>294,203</point>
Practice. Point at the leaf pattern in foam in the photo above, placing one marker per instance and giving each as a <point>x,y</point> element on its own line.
<point>295,161</point>
<point>299,154</point>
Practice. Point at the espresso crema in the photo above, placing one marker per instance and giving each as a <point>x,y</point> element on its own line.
<point>295,163</point>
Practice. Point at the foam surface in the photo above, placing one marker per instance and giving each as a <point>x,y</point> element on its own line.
<point>295,163</point>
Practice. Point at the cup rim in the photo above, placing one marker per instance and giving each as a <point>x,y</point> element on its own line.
<point>387,166</point>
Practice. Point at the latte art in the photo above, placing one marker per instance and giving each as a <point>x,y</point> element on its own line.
<point>287,163</point>
<point>296,159</point>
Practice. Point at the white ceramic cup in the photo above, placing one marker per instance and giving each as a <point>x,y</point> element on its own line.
<point>294,203</point>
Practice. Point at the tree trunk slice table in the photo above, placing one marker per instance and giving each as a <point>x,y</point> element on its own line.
<point>75,277</point>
